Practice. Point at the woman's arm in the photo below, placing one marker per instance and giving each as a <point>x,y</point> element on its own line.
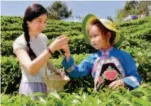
<point>34,66</point>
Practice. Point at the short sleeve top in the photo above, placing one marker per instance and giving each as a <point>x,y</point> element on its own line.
<point>38,45</point>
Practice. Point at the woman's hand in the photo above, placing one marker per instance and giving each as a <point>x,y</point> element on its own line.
<point>61,73</point>
<point>116,84</point>
<point>58,43</point>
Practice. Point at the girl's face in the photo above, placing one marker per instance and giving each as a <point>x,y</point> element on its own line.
<point>38,24</point>
<point>98,41</point>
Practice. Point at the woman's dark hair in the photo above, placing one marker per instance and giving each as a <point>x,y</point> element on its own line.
<point>104,30</point>
<point>32,12</point>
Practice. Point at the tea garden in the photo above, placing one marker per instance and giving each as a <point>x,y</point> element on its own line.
<point>78,92</point>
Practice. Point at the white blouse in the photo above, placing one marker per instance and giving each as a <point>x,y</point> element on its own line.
<point>38,45</point>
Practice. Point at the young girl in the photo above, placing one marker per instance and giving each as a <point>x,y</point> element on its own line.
<point>109,64</point>
<point>32,51</point>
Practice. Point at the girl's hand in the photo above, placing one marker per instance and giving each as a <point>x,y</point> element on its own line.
<point>116,84</point>
<point>66,49</point>
<point>58,43</point>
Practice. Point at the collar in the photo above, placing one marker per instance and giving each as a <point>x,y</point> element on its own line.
<point>34,37</point>
<point>106,52</point>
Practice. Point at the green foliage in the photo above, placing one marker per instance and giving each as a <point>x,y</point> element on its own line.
<point>104,97</point>
<point>57,61</point>
<point>133,7</point>
<point>137,34</point>
<point>78,45</point>
<point>58,10</point>
<point>6,47</point>
<point>10,35</point>
<point>10,74</point>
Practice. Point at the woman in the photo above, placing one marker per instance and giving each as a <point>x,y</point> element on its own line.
<point>32,51</point>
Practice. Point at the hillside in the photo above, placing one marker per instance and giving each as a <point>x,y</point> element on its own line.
<point>137,41</point>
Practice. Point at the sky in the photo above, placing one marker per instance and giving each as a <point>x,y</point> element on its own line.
<point>101,9</point>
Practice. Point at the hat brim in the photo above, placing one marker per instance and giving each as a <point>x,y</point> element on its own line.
<point>86,22</point>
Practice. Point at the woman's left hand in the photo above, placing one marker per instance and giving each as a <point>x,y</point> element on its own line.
<point>61,73</point>
<point>116,84</point>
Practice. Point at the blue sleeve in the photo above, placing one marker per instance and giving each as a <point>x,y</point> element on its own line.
<point>83,69</point>
<point>132,78</point>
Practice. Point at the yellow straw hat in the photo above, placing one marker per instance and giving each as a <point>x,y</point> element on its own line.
<point>106,23</point>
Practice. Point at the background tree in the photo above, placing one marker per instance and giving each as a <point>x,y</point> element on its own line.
<point>133,7</point>
<point>143,7</point>
<point>58,10</point>
<point>110,18</point>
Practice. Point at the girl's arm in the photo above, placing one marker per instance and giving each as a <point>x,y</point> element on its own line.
<point>83,69</point>
<point>73,70</point>
<point>132,78</point>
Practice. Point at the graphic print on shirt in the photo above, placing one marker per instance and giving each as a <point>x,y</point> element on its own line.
<point>106,70</point>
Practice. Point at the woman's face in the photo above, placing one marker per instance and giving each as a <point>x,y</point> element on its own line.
<point>38,24</point>
<point>98,41</point>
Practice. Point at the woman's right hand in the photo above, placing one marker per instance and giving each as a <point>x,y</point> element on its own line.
<point>58,43</point>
